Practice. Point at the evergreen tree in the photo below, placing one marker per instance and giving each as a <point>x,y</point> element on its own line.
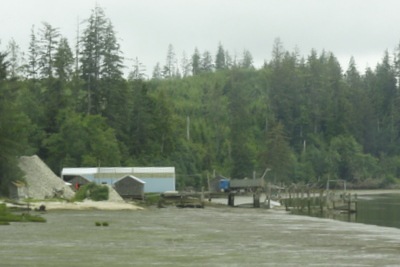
<point>49,38</point>
<point>100,59</point>
<point>185,65</point>
<point>111,67</point>
<point>91,58</point>
<point>138,72</point>
<point>206,62</point>
<point>14,130</point>
<point>169,68</point>
<point>247,60</point>
<point>157,72</point>
<point>240,123</point>
<point>220,62</point>
<point>277,155</point>
<point>230,63</point>
<point>140,126</point>
<point>196,68</point>
<point>83,141</point>
<point>385,96</point>
<point>63,60</point>
<point>33,66</point>
<point>15,60</point>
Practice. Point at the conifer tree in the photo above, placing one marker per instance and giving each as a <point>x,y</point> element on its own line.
<point>169,68</point>
<point>196,69</point>
<point>33,66</point>
<point>63,60</point>
<point>100,58</point>
<point>220,62</point>
<point>14,130</point>
<point>49,38</point>
<point>206,62</point>
<point>15,59</point>
<point>185,65</point>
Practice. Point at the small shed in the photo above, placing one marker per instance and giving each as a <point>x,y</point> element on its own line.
<point>18,190</point>
<point>130,186</point>
<point>157,179</point>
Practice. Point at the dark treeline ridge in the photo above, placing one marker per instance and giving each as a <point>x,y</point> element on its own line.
<point>305,119</point>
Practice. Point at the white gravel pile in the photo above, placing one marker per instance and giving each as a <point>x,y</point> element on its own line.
<point>113,196</point>
<point>41,182</point>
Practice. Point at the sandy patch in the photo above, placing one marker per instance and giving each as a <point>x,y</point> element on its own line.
<point>88,205</point>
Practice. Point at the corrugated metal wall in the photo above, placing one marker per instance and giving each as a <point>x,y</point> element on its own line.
<point>158,179</point>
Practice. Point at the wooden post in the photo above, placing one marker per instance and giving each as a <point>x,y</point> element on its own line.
<point>355,203</point>
<point>256,200</point>
<point>231,199</point>
<point>321,201</point>
<point>202,196</point>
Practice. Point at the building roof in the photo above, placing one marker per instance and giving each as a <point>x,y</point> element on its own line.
<point>80,171</point>
<point>131,177</point>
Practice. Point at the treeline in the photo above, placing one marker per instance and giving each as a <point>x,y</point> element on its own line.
<point>303,119</point>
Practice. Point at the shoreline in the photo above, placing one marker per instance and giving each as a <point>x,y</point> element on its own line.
<point>122,205</point>
<point>90,205</point>
<point>363,192</point>
<point>84,205</point>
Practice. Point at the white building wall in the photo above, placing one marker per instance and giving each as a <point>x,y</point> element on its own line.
<point>158,179</point>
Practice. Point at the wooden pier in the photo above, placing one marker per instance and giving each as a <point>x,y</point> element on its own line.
<point>182,199</point>
<point>299,198</point>
<point>312,201</point>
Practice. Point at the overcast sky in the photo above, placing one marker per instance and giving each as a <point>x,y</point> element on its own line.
<point>363,29</point>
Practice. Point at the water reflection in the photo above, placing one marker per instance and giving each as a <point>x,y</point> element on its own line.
<point>381,210</point>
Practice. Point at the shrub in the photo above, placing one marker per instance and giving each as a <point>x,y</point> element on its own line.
<point>152,198</point>
<point>101,223</point>
<point>93,191</point>
<point>99,193</point>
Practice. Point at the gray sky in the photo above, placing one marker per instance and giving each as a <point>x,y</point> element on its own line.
<point>363,29</point>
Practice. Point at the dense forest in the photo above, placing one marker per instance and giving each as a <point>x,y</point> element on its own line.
<point>303,118</point>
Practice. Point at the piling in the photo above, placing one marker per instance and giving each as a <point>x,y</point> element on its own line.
<point>256,200</point>
<point>231,199</point>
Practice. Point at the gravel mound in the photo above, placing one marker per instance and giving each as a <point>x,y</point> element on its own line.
<point>41,182</point>
<point>113,196</point>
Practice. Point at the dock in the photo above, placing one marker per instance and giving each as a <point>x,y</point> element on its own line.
<point>298,198</point>
<point>310,200</point>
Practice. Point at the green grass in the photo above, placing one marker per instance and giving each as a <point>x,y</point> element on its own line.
<point>6,216</point>
<point>152,198</point>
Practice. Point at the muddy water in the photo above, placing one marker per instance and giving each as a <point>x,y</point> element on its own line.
<point>196,237</point>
